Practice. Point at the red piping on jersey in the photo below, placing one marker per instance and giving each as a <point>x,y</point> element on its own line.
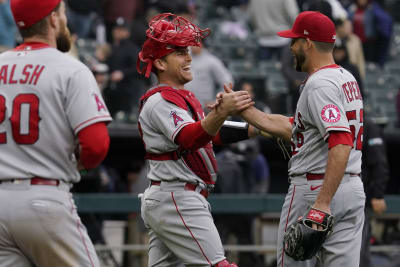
<point>32,45</point>
<point>80,233</point>
<point>98,117</point>
<point>338,127</point>
<point>332,66</point>
<point>287,219</point>
<point>197,242</point>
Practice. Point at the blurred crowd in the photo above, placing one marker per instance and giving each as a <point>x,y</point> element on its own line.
<point>108,35</point>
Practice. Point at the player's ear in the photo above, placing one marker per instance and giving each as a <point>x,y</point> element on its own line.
<point>53,19</point>
<point>308,43</point>
<point>160,64</point>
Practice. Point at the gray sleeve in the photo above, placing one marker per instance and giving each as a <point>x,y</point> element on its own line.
<point>326,110</point>
<point>169,118</point>
<point>84,104</point>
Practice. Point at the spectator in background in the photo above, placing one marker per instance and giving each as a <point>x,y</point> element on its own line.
<point>8,28</point>
<point>81,14</point>
<point>242,169</point>
<point>249,87</point>
<point>344,31</point>
<point>374,27</point>
<point>341,56</point>
<point>375,176</point>
<point>398,108</point>
<point>126,86</point>
<point>333,7</point>
<point>102,53</point>
<point>100,72</point>
<point>114,9</point>
<point>139,26</point>
<point>268,17</point>
<point>294,78</point>
<point>209,73</point>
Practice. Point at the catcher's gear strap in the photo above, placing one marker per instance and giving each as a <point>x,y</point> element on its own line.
<point>233,131</point>
<point>94,142</point>
<point>340,138</point>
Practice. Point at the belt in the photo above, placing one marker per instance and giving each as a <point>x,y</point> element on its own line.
<point>188,187</point>
<point>320,176</point>
<point>36,181</point>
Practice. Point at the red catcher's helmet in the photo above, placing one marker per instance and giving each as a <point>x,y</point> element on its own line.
<point>165,32</point>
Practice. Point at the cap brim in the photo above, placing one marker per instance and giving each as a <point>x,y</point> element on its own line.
<point>288,34</point>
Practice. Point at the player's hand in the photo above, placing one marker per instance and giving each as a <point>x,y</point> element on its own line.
<point>321,207</point>
<point>378,205</point>
<point>218,100</point>
<point>234,102</point>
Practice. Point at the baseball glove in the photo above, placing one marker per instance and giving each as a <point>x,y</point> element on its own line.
<point>301,241</point>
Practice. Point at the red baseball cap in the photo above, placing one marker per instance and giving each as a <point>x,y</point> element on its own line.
<point>28,12</point>
<point>312,25</point>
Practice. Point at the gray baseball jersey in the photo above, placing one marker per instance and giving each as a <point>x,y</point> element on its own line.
<point>161,121</point>
<point>330,100</point>
<point>46,98</point>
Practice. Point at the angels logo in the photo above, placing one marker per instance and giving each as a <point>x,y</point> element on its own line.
<point>330,113</point>
<point>99,103</point>
<point>175,117</point>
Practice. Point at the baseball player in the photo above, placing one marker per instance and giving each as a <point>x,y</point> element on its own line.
<point>178,141</point>
<point>326,137</point>
<point>49,102</point>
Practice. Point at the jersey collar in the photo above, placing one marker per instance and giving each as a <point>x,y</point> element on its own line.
<point>31,46</point>
<point>332,66</point>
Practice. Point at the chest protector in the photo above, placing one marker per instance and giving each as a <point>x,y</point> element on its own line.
<point>201,162</point>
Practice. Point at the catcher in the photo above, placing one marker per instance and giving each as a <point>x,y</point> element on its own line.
<point>178,139</point>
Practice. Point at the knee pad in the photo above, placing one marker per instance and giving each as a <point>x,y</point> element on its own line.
<point>225,263</point>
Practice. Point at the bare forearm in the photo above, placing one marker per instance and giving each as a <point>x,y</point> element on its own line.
<point>337,161</point>
<point>213,122</point>
<point>274,124</point>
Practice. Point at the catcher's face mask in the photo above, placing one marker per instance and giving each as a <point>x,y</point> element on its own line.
<point>165,32</point>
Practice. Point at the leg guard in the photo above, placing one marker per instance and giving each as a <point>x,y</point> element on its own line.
<point>225,263</point>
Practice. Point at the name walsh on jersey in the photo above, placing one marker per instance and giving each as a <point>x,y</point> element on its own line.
<point>30,74</point>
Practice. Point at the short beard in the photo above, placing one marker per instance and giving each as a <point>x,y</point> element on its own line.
<point>64,40</point>
<point>300,59</point>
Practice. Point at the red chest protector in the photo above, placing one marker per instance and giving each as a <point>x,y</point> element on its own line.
<point>202,162</point>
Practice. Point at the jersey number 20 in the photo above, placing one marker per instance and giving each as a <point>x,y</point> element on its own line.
<point>32,134</point>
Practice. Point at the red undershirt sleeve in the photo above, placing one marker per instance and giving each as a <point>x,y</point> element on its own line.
<point>217,139</point>
<point>94,142</point>
<point>339,137</point>
<point>193,137</point>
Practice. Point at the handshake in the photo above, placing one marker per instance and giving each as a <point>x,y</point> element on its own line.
<point>231,103</point>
